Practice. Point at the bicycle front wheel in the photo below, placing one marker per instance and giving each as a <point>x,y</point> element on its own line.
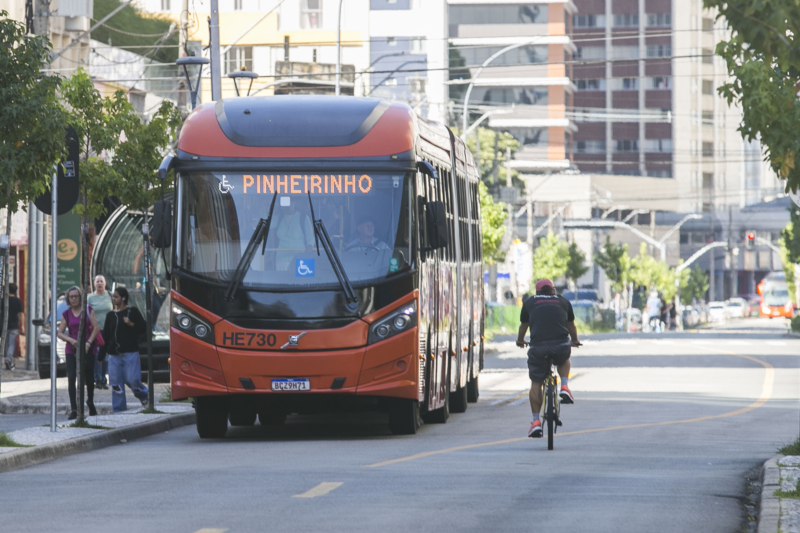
<point>550,414</point>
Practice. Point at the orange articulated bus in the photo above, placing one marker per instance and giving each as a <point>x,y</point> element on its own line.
<point>774,292</point>
<point>326,255</point>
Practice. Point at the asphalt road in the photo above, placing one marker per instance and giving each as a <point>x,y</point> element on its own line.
<point>662,433</point>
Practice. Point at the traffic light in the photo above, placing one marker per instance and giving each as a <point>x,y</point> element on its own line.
<point>751,239</point>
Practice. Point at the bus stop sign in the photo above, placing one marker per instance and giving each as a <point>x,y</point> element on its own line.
<point>68,174</point>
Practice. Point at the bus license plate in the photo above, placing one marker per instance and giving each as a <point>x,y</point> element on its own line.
<point>291,384</point>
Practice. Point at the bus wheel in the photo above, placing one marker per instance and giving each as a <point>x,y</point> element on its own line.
<point>472,390</point>
<point>440,415</point>
<point>404,417</point>
<point>458,400</point>
<point>212,417</point>
<point>242,418</point>
<point>271,418</point>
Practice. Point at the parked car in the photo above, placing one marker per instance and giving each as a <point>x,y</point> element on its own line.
<point>43,345</point>
<point>736,308</point>
<point>634,316</point>
<point>691,317</point>
<point>754,303</point>
<point>716,312</point>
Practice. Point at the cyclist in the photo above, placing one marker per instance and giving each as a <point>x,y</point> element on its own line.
<point>653,310</point>
<point>553,334</point>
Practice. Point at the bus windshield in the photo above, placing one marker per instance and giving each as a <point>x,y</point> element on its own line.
<point>776,295</point>
<point>366,215</point>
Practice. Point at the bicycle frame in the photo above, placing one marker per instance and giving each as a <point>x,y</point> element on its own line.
<point>551,417</point>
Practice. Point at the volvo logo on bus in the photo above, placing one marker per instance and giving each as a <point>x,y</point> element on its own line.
<point>294,340</point>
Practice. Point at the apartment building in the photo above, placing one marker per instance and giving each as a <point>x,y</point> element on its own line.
<point>646,102</point>
<point>534,79</point>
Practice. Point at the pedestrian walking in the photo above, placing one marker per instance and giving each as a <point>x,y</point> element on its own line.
<point>673,314</point>
<point>71,321</point>
<point>16,324</point>
<point>121,333</point>
<point>100,301</point>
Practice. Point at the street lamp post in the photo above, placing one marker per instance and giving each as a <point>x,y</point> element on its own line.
<point>672,230</point>
<point>483,66</point>
<point>339,49</point>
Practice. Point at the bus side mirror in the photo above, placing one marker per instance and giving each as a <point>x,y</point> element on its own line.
<point>426,168</point>
<point>166,165</point>
<point>161,227</point>
<point>436,222</point>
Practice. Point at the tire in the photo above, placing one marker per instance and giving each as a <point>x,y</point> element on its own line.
<point>550,415</point>
<point>212,417</point>
<point>242,418</point>
<point>472,390</point>
<point>404,418</point>
<point>440,415</point>
<point>458,400</point>
<point>271,418</point>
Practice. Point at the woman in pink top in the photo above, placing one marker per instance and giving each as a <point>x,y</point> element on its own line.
<point>72,319</point>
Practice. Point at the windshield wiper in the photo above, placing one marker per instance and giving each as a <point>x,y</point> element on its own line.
<point>321,235</point>
<point>259,236</point>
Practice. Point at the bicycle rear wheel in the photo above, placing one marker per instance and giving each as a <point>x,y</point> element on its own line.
<point>550,414</point>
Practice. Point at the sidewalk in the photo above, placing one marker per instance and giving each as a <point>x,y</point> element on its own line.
<point>780,512</point>
<point>22,394</point>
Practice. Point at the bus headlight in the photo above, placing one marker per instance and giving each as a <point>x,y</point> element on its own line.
<point>393,323</point>
<point>191,324</point>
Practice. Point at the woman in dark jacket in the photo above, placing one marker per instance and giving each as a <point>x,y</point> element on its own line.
<point>121,334</point>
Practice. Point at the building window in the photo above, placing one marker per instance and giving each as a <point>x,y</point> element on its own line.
<point>238,57</point>
<point>417,45</point>
<point>391,41</point>
<point>626,84</point>
<point>625,52</point>
<point>662,146</point>
<point>708,24</point>
<point>626,145</point>
<point>659,19</point>
<point>498,14</point>
<point>311,14</point>
<point>659,83</point>
<point>589,53</point>
<point>708,87</point>
<point>708,56</point>
<point>589,21</point>
<point>708,149</point>
<point>659,50</point>
<point>477,55</point>
<point>708,118</point>
<point>165,5</point>
<point>590,147</point>
<point>708,181</point>
<point>591,85</point>
<point>627,20</point>
<point>237,5</point>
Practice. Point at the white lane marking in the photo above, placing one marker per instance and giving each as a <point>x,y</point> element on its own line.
<point>526,399</point>
<point>507,398</point>
<point>738,343</point>
<point>320,490</point>
<point>210,530</point>
<point>776,343</point>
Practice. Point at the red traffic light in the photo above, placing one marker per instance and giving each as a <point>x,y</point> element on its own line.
<point>751,236</point>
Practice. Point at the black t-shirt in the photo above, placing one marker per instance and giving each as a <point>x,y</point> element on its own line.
<point>14,309</point>
<point>547,316</point>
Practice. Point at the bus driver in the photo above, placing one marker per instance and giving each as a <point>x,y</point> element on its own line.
<point>366,239</point>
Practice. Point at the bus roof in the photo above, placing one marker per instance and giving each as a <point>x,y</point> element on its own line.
<point>291,126</point>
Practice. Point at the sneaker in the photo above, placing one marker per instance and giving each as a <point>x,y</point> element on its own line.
<point>144,401</point>
<point>73,415</point>
<point>566,395</point>
<point>536,430</point>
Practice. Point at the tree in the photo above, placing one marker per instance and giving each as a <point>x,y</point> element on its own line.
<point>493,225</point>
<point>790,250</point>
<point>576,264</point>
<point>130,28</point>
<point>32,124</point>
<point>694,285</point>
<point>613,258</point>
<point>653,274</point>
<point>762,60</point>
<point>550,259</point>
<point>491,157</point>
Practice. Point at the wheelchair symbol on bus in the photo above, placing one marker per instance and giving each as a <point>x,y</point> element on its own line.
<point>224,186</point>
<point>304,268</point>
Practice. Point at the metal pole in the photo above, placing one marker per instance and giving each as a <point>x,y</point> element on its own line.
<point>149,307</point>
<point>339,50</point>
<point>53,298</point>
<point>712,292</point>
<point>216,74</point>
<point>30,291</point>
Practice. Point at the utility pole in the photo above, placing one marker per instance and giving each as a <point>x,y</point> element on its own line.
<point>712,293</point>
<point>216,74</point>
<point>183,33</point>
<point>732,255</point>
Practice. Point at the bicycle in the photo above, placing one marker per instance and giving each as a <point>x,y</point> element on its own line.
<point>551,404</point>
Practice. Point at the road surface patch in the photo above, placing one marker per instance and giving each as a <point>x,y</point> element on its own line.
<point>210,530</point>
<point>320,490</point>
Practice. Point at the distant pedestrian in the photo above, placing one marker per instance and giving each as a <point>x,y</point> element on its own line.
<point>100,300</point>
<point>121,332</point>
<point>673,314</point>
<point>71,321</point>
<point>616,306</point>
<point>16,324</point>
<point>653,311</point>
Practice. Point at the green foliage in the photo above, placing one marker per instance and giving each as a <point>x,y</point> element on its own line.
<point>762,60</point>
<point>790,250</point>
<point>486,160</point>
<point>694,285</point>
<point>613,258</point>
<point>550,259</point>
<point>576,263</point>
<point>8,442</point>
<point>32,120</point>
<point>132,20</point>
<point>653,274</point>
<point>493,225</point>
<point>795,324</point>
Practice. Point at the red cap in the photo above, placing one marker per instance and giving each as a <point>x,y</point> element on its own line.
<point>543,283</point>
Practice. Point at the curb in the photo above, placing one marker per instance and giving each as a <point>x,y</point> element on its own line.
<point>9,408</point>
<point>47,452</point>
<point>769,512</point>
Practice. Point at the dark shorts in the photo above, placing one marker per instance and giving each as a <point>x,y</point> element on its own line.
<point>541,355</point>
